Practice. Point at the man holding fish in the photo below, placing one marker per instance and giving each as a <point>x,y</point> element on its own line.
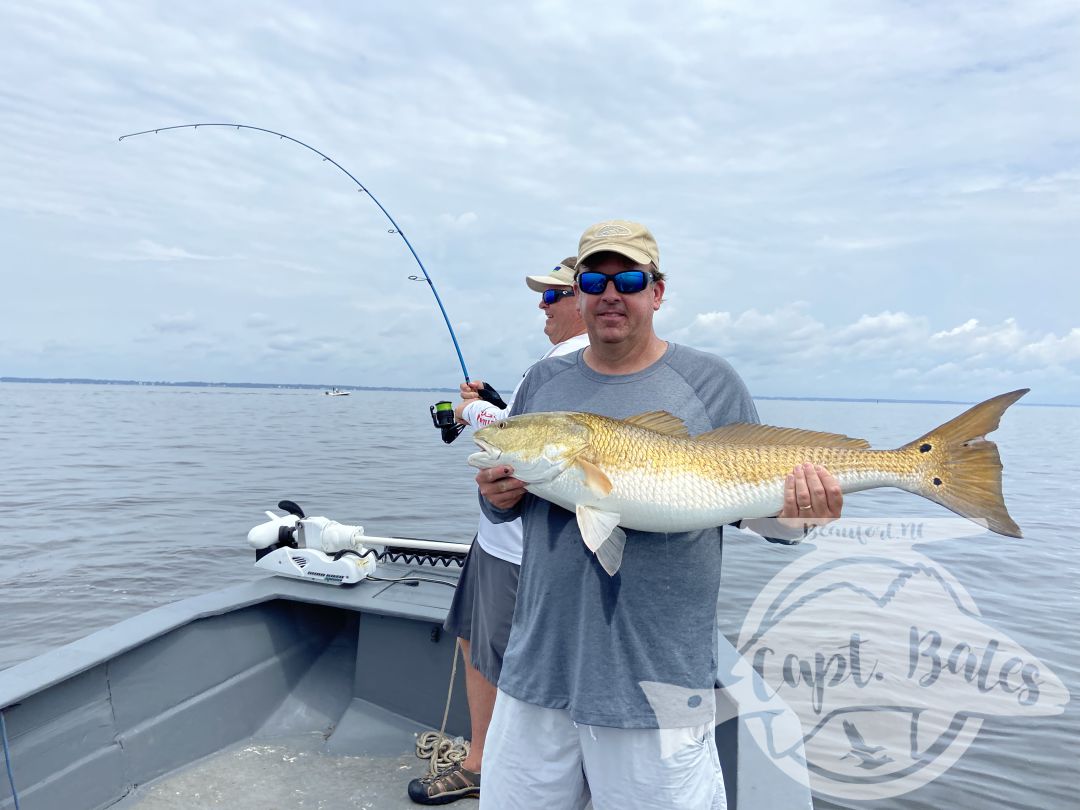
<point>600,610</point>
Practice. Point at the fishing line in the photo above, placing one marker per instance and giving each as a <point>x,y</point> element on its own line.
<point>326,158</point>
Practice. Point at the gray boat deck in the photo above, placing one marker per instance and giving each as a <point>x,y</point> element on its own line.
<point>275,694</point>
<point>282,774</point>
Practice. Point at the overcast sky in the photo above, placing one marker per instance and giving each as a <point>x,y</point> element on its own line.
<point>866,199</point>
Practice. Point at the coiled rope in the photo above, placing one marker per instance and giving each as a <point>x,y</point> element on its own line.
<point>434,746</point>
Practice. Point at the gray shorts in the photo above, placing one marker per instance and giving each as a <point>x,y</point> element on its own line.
<point>537,758</point>
<point>483,608</point>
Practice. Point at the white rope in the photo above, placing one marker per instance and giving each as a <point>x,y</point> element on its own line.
<point>441,750</point>
<point>434,746</point>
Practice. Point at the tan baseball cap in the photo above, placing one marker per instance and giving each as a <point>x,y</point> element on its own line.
<point>630,239</point>
<point>561,276</point>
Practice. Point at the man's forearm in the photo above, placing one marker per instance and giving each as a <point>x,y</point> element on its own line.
<point>496,515</point>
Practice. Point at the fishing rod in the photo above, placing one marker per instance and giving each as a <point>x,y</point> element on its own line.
<point>442,415</point>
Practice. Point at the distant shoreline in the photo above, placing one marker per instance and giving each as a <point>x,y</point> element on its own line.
<point>201,384</point>
<point>312,387</point>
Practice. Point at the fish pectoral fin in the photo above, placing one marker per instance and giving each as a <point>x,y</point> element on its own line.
<point>744,433</point>
<point>601,533</point>
<point>611,550</point>
<point>660,422</point>
<point>595,479</point>
<point>596,525</point>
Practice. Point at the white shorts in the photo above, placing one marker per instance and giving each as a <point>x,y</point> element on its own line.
<point>538,759</point>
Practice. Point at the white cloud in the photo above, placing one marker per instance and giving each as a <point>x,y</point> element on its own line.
<point>1052,350</point>
<point>996,343</point>
<point>860,243</point>
<point>176,324</point>
<point>288,343</point>
<point>966,327</point>
<point>800,165</point>
<point>890,345</point>
<point>458,222</point>
<point>147,250</point>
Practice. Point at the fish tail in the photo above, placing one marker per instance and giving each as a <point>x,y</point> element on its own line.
<point>961,470</point>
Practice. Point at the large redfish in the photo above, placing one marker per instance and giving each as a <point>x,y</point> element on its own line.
<point>647,473</point>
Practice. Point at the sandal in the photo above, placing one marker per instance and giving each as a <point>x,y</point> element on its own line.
<point>446,786</point>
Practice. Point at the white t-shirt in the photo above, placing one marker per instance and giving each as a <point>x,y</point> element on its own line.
<point>503,540</point>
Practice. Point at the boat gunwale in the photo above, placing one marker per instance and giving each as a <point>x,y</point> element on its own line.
<point>27,678</point>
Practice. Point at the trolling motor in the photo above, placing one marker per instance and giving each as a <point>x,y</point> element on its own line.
<point>310,548</point>
<point>318,549</point>
<point>442,413</point>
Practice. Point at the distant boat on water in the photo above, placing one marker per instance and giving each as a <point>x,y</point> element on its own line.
<point>335,392</point>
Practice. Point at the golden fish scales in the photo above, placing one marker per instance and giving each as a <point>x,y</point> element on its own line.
<point>953,465</point>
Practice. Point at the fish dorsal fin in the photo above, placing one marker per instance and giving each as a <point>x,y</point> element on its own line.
<point>744,433</point>
<point>660,422</point>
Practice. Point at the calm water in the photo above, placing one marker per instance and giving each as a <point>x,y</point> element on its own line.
<point>116,499</point>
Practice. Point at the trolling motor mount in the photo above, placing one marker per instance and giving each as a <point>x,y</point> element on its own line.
<point>310,548</point>
<point>317,549</point>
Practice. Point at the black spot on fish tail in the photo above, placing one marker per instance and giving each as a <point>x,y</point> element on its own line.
<point>960,452</point>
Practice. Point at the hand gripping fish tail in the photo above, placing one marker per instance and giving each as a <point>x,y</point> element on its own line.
<point>961,469</point>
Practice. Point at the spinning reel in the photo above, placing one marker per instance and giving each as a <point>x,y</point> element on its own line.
<point>442,413</point>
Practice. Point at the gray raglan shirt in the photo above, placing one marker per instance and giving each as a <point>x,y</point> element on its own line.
<point>582,640</point>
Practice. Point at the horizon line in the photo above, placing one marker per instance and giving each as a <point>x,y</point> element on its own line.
<point>318,386</point>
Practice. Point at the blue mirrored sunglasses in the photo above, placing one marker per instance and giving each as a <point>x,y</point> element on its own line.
<point>551,296</point>
<point>628,281</point>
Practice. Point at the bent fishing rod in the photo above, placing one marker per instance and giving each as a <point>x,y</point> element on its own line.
<point>449,429</point>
